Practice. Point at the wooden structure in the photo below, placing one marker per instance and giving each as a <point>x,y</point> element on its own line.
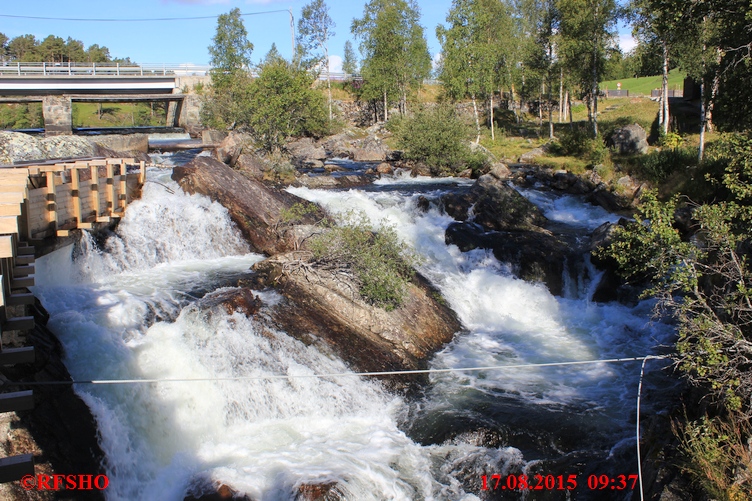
<point>37,202</point>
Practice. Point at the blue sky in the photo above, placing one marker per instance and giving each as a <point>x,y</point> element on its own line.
<point>186,41</point>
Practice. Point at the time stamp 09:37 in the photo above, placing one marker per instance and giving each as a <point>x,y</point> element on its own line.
<point>557,482</point>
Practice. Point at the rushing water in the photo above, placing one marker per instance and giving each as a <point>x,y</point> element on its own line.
<point>126,309</point>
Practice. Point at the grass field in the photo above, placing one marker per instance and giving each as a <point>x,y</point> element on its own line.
<point>118,114</point>
<point>643,85</point>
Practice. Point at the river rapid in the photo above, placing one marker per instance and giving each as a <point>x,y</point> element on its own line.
<point>125,308</point>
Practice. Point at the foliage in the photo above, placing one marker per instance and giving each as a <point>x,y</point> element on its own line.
<point>230,50</point>
<point>437,137</point>
<point>658,166</point>
<point>282,104</point>
<point>349,60</point>
<point>394,49</point>
<point>578,142</point>
<point>721,459</point>
<point>52,49</point>
<point>380,262</point>
<point>706,284</point>
<point>315,28</point>
<point>21,116</point>
<point>670,140</point>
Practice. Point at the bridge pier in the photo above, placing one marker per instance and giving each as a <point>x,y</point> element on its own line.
<point>57,111</point>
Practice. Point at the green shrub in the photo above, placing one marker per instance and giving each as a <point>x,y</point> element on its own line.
<point>438,138</point>
<point>380,262</point>
<point>580,143</point>
<point>657,166</point>
<point>670,140</point>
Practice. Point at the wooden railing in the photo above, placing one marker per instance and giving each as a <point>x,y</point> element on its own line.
<point>36,202</point>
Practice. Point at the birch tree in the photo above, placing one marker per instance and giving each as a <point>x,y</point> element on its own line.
<point>315,28</point>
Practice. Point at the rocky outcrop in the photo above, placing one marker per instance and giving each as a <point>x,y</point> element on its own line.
<point>629,140</point>
<point>495,206</point>
<point>324,182</point>
<point>535,256</point>
<point>232,146</point>
<point>233,300</point>
<point>307,154</point>
<point>323,306</point>
<point>19,147</point>
<point>254,207</point>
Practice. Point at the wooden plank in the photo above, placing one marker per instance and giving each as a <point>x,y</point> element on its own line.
<point>18,283</point>
<point>110,190</point>
<point>20,298</point>
<point>23,259</point>
<point>75,195</point>
<point>13,197</point>
<point>13,356</point>
<point>142,172</point>
<point>24,270</point>
<point>51,200</point>
<point>123,198</point>
<point>94,189</point>
<point>14,468</point>
<point>18,324</point>
<point>17,401</point>
<point>25,250</point>
<point>10,209</point>
<point>8,225</point>
<point>6,246</point>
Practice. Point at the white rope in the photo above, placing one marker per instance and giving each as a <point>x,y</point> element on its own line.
<point>336,374</point>
<point>639,459</point>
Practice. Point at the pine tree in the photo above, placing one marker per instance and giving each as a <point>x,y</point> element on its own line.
<point>349,61</point>
<point>231,50</point>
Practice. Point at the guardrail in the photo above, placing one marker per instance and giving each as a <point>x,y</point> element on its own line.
<point>100,69</point>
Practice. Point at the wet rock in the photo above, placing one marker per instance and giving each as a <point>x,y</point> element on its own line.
<point>629,140</point>
<point>206,491</point>
<point>607,199</point>
<point>534,256</point>
<point>232,300</point>
<point>319,492</point>
<point>424,204</point>
<point>323,306</point>
<point>254,207</point>
<point>384,168</point>
<point>495,206</point>
<point>370,154</point>
<point>324,182</point>
<point>334,168</point>
<point>466,174</point>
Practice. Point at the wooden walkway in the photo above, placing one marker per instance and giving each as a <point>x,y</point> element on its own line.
<point>37,203</point>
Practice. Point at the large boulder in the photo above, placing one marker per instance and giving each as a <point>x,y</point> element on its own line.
<point>67,147</point>
<point>535,256</point>
<point>232,146</point>
<point>323,305</point>
<point>306,153</point>
<point>254,207</point>
<point>495,206</point>
<point>629,140</point>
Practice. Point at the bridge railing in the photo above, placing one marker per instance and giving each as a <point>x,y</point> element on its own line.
<point>16,68</point>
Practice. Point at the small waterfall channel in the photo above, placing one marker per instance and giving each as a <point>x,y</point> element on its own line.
<point>125,308</point>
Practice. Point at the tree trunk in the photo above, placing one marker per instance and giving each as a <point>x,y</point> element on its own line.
<point>386,108</point>
<point>664,90</point>
<point>328,81</point>
<point>477,121</point>
<point>561,94</point>
<point>513,101</point>
<point>540,105</point>
<point>491,115</point>
<point>714,90</point>
<point>595,76</point>
<point>703,122</point>
<point>569,109</point>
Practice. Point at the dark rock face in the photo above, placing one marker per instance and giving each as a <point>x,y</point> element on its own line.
<point>255,208</point>
<point>322,306</point>
<point>629,140</point>
<point>496,206</point>
<point>534,256</point>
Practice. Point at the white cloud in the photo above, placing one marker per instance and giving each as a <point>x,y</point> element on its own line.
<point>335,64</point>
<point>436,60</point>
<point>626,43</point>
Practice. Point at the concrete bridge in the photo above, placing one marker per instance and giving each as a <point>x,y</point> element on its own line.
<point>40,204</point>
<point>58,85</point>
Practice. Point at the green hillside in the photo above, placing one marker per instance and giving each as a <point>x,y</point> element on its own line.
<point>643,85</point>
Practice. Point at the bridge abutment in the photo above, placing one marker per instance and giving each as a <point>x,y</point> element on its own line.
<point>57,111</point>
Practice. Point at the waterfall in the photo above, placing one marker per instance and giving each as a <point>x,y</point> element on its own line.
<point>125,308</point>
